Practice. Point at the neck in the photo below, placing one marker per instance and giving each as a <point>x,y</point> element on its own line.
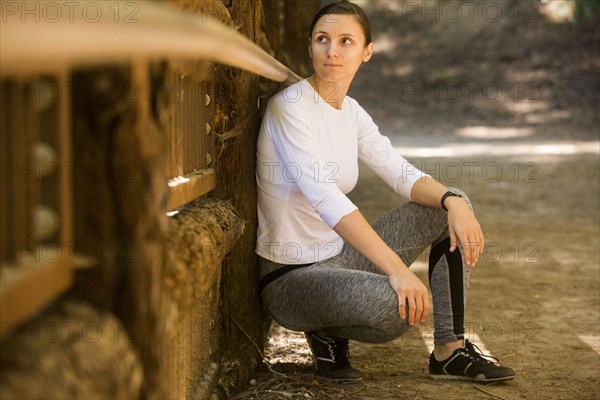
<point>333,92</point>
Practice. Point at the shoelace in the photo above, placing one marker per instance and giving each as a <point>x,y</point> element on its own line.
<point>476,354</point>
<point>331,345</point>
<point>339,357</point>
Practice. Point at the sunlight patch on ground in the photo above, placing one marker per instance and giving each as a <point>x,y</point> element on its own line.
<point>427,337</point>
<point>558,11</point>
<point>285,346</point>
<point>528,107</point>
<point>498,149</point>
<point>541,118</point>
<point>401,70</point>
<point>592,341</point>
<point>487,132</point>
<point>384,43</point>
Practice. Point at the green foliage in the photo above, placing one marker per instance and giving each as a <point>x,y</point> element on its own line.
<point>584,9</point>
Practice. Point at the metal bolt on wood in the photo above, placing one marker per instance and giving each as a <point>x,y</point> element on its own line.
<point>45,94</point>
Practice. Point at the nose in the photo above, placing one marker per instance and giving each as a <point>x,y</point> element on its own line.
<point>332,50</point>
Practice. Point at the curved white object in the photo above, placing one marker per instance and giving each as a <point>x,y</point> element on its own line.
<point>98,32</point>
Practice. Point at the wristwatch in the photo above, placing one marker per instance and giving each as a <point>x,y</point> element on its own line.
<point>446,195</point>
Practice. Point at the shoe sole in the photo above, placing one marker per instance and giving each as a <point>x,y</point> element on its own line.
<point>478,378</point>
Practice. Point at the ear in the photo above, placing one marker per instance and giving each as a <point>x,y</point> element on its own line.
<point>368,52</point>
<point>309,49</point>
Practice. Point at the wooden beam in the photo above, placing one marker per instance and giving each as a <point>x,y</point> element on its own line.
<point>25,289</point>
<point>184,189</point>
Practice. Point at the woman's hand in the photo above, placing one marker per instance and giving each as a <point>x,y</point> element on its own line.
<point>412,292</point>
<point>464,228</point>
<point>355,230</point>
<point>462,224</point>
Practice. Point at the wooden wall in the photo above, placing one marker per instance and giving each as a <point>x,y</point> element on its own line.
<point>182,288</point>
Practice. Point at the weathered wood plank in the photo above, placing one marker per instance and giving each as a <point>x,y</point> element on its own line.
<point>26,288</point>
<point>184,189</point>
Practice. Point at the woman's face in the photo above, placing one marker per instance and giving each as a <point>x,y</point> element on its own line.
<point>337,47</point>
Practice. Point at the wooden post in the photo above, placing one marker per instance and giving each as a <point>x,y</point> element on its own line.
<point>145,301</point>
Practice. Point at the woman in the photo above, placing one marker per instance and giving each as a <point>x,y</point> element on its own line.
<point>324,269</point>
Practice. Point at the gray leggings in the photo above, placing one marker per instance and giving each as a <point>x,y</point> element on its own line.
<point>347,296</point>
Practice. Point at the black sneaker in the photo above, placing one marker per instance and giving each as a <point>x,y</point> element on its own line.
<point>331,358</point>
<point>468,363</point>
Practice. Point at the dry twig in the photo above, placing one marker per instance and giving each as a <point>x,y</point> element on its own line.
<point>489,393</point>
<point>297,386</point>
<point>262,356</point>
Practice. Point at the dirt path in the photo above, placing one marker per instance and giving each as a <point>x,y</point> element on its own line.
<point>533,297</point>
<point>529,158</point>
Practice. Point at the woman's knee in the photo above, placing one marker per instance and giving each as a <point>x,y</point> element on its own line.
<point>394,330</point>
<point>387,322</point>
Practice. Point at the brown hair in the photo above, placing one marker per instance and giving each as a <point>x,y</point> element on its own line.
<point>345,8</point>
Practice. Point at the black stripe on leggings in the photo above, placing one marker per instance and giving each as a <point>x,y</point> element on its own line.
<point>455,273</point>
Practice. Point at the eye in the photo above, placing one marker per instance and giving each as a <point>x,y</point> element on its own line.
<point>347,41</point>
<point>322,39</point>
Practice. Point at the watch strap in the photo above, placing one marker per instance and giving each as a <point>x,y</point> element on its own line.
<point>445,196</point>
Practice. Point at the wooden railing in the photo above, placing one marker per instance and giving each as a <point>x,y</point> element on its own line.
<point>191,137</point>
<point>37,258</point>
<point>37,235</point>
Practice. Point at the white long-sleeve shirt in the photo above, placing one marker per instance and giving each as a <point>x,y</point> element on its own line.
<point>307,161</point>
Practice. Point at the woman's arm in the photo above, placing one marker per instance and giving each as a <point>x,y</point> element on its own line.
<point>355,230</point>
<point>378,153</point>
<point>462,224</point>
